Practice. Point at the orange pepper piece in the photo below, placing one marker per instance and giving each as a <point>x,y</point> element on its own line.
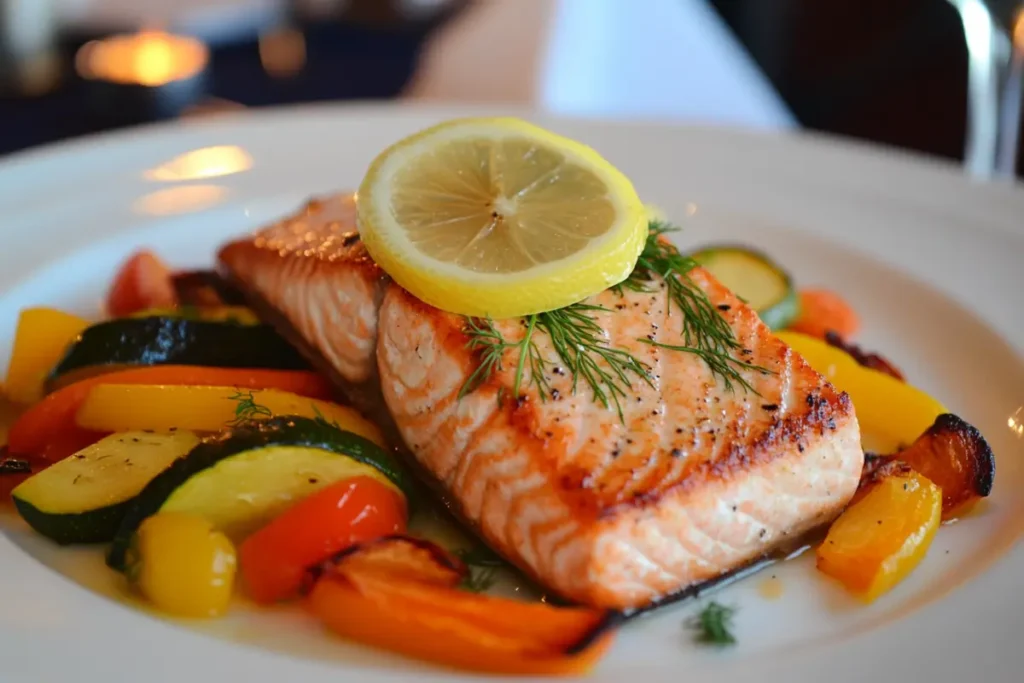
<point>275,559</point>
<point>425,618</point>
<point>883,536</point>
<point>822,311</point>
<point>459,629</point>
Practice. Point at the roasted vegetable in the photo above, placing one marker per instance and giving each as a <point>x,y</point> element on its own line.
<point>383,601</point>
<point>182,565</point>
<point>83,498</point>
<point>13,471</point>
<point>867,360</point>
<point>51,422</point>
<point>954,456</point>
<point>884,534</point>
<point>401,557</point>
<point>117,407</point>
<point>115,344</point>
<point>823,311</point>
<point>886,407</point>
<point>205,288</point>
<point>244,478</point>
<point>42,337</point>
<point>756,278</point>
<point>61,444</point>
<point>143,281</point>
<point>274,560</point>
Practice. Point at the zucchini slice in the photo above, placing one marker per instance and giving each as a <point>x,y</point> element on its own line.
<point>83,498</point>
<point>164,340</point>
<point>756,279</point>
<point>248,475</point>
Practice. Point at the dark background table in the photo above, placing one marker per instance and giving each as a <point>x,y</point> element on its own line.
<point>890,71</point>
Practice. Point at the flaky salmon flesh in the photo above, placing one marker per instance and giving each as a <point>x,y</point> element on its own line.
<point>692,482</point>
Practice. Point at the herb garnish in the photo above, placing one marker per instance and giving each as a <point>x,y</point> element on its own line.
<point>713,624</point>
<point>322,420</point>
<point>247,409</point>
<point>581,343</point>
<point>705,332</point>
<point>480,556</point>
<point>483,568</point>
<point>578,340</point>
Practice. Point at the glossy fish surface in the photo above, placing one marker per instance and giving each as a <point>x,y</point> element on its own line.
<point>681,480</point>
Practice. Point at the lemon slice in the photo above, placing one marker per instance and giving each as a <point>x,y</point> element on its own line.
<point>494,217</point>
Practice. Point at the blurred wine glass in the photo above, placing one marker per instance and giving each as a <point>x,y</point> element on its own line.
<point>994,31</point>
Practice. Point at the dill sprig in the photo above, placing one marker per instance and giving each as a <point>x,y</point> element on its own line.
<point>322,420</point>
<point>705,332</point>
<point>480,556</point>
<point>713,624</point>
<point>490,346</point>
<point>479,579</point>
<point>581,344</point>
<point>483,568</point>
<point>247,409</point>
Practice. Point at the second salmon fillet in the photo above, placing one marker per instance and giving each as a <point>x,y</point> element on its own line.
<point>691,481</point>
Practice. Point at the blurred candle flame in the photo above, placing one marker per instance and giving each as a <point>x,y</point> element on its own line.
<point>206,162</point>
<point>150,58</point>
<point>1018,31</point>
<point>283,52</point>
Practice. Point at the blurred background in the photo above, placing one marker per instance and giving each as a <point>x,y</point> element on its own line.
<point>890,71</point>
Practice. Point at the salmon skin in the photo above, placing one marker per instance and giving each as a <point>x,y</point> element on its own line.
<point>690,483</point>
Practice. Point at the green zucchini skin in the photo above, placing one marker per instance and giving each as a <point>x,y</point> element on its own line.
<point>167,340</point>
<point>83,498</point>
<point>279,431</point>
<point>94,526</point>
<point>778,312</point>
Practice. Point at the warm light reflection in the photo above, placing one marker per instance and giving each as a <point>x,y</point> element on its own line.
<point>148,58</point>
<point>1018,31</point>
<point>183,199</point>
<point>283,52</point>
<point>207,162</point>
<point>1016,422</point>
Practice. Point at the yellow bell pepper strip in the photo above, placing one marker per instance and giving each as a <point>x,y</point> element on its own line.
<point>47,430</point>
<point>884,535</point>
<point>42,337</point>
<point>181,565</point>
<point>886,407</point>
<point>127,407</point>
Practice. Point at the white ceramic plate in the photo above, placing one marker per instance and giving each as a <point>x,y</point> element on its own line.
<point>933,263</point>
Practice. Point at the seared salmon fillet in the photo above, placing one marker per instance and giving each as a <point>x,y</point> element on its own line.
<point>315,255</point>
<point>692,481</point>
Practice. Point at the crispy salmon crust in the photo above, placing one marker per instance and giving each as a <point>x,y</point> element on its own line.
<point>694,481</point>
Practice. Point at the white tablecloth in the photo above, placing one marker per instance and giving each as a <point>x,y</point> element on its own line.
<point>654,59</point>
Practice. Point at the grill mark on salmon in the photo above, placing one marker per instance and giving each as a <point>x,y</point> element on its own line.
<point>694,482</point>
